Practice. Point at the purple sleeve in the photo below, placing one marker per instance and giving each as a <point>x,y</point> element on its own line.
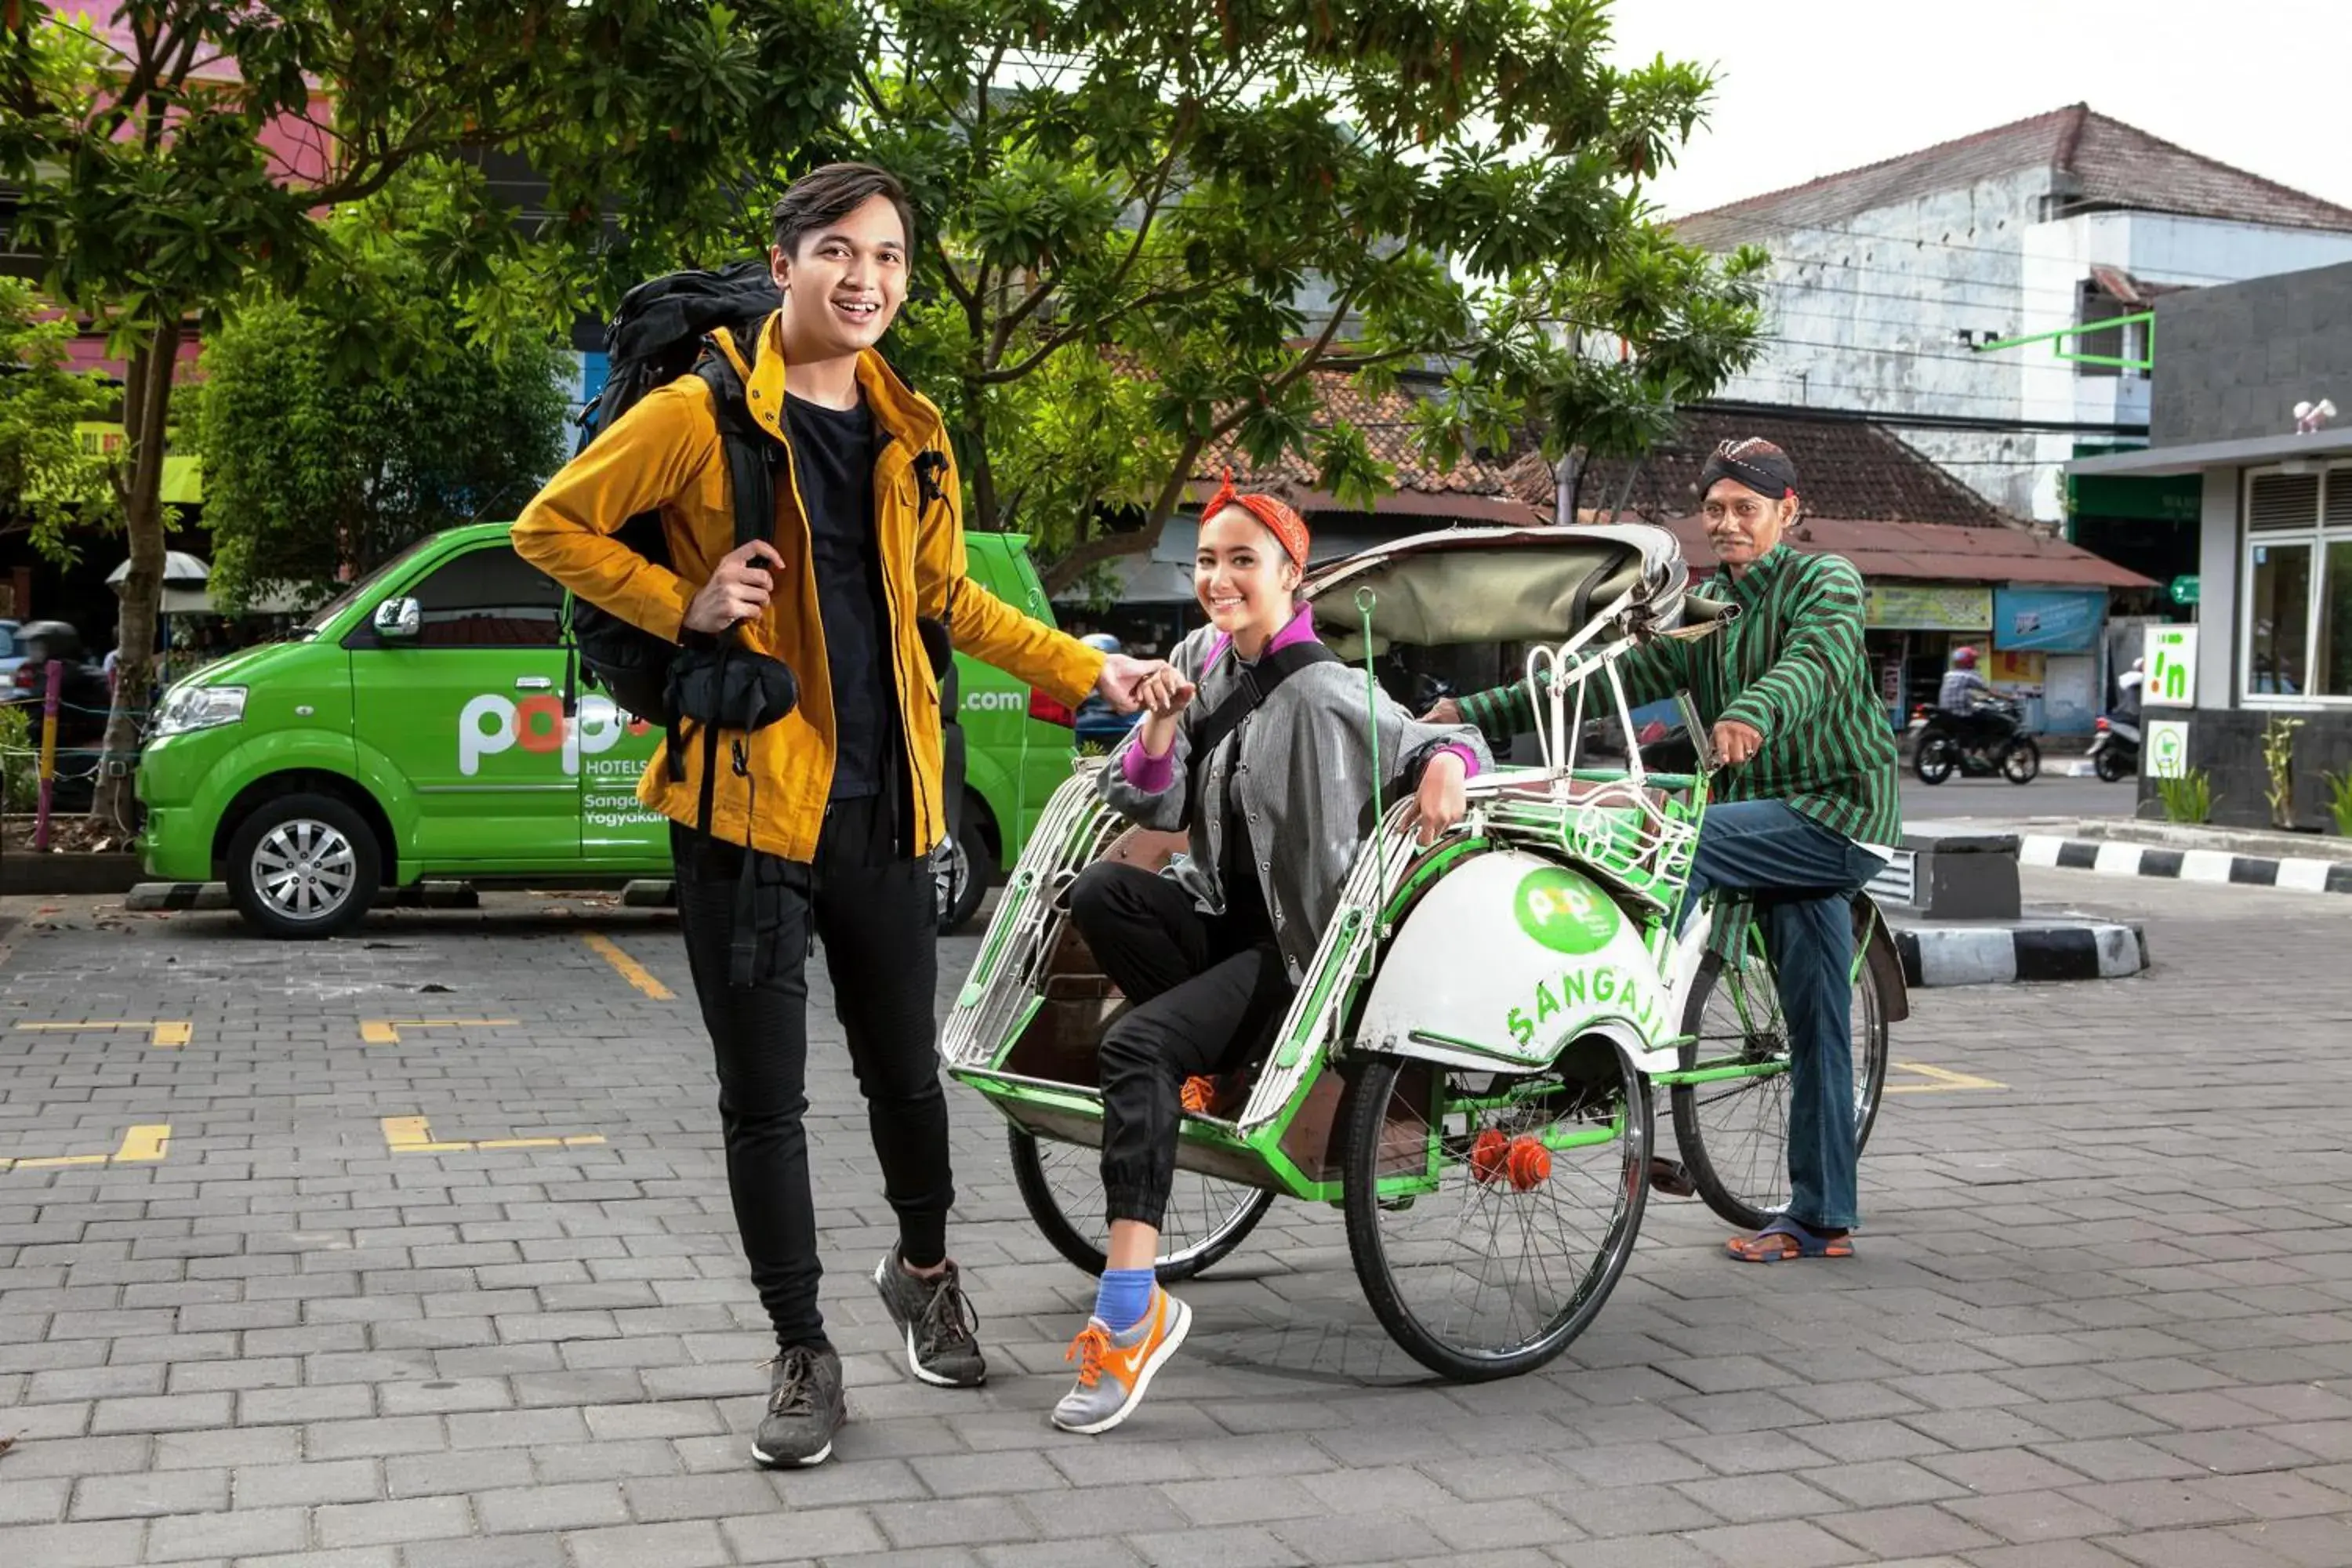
<point>1149,773</point>
<point>1469,758</point>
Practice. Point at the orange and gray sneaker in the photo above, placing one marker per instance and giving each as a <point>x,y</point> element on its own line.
<point>1114,1369</point>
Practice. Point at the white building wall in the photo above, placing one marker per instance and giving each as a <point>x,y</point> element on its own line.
<point>1870,315</point>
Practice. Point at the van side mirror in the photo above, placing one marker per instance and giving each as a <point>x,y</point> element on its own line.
<point>400,618</point>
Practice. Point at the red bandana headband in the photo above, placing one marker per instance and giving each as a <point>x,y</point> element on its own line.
<point>1285,524</point>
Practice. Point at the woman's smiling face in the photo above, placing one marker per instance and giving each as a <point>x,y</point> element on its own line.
<point>1241,574</point>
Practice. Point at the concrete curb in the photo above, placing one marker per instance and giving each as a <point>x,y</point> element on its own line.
<point>1940,955</point>
<point>24,874</point>
<point>148,897</point>
<point>2117,858</point>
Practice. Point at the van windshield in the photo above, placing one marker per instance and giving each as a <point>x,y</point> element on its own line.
<point>356,592</point>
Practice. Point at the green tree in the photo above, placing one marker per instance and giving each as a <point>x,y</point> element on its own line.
<point>172,160</point>
<point>321,463</point>
<point>1153,225</point>
<point>50,486</point>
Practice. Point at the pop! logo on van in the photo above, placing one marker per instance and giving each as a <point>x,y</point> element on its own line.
<point>490,724</point>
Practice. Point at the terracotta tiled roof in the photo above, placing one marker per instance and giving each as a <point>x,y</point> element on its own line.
<point>1845,469</point>
<point>2094,163</point>
<point>1475,487</point>
<point>1936,553</point>
<point>1868,497</point>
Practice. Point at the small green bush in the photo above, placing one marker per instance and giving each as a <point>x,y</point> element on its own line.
<point>2339,801</point>
<point>2189,798</point>
<point>20,760</point>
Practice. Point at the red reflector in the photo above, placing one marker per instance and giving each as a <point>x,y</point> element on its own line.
<point>1044,706</point>
<point>2100,723</point>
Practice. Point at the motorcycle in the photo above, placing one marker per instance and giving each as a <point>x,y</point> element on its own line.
<point>1940,753</point>
<point>2115,753</point>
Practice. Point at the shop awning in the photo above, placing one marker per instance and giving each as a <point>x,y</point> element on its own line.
<point>2194,457</point>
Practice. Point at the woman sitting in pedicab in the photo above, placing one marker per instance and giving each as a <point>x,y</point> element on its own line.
<point>1254,742</point>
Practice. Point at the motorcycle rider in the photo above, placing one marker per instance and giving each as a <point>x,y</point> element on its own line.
<point>1965,693</point>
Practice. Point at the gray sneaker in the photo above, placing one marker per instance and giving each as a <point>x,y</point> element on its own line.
<point>1114,1369</point>
<point>805,1405</point>
<point>937,1323</point>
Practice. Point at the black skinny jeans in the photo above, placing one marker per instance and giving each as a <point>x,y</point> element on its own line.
<point>1207,994</point>
<point>875,913</point>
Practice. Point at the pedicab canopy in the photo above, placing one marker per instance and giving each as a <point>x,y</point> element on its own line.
<point>1503,584</point>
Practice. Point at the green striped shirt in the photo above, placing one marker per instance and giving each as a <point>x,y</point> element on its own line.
<point>1791,667</point>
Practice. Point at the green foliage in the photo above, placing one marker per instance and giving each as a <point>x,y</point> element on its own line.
<point>20,760</point>
<point>1157,228</point>
<point>2189,798</point>
<point>338,427</point>
<point>2339,801</point>
<point>50,486</point>
<point>2278,761</point>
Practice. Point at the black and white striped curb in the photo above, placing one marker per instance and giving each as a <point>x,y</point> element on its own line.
<point>151,897</point>
<point>2298,873</point>
<point>2002,954</point>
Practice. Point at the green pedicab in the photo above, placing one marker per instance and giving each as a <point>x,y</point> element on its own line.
<point>1467,1070</point>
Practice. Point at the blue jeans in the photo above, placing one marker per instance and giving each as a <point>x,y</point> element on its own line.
<point>1801,878</point>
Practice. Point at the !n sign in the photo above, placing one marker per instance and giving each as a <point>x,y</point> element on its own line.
<point>2171,668</point>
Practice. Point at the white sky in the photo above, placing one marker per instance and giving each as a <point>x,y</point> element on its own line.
<point>1806,87</point>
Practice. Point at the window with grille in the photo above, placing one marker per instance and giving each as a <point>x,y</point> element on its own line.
<point>2296,610</point>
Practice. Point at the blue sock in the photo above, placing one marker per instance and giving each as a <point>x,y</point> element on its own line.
<point>1123,1298</point>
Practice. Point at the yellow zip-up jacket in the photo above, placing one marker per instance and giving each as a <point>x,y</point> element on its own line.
<point>664,453</point>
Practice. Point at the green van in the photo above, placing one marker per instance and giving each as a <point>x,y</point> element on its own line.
<point>428,723</point>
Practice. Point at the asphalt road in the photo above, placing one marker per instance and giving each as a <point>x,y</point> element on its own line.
<point>2050,795</point>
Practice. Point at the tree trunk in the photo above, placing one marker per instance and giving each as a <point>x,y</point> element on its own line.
<point>1069,568</point>
<point>146,408</point>
<point>1088,555</point>
<point>983,515</point>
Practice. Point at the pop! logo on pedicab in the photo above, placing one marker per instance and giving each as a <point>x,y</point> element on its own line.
<point>489,724</point>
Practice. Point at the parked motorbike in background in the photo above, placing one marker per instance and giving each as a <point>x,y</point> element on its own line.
<point>2114,752</point>
<point>1991,742</point>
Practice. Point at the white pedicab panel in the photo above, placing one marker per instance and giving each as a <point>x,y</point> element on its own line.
<point>1504,959</point>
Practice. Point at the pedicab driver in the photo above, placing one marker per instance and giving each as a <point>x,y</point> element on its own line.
<point>1808,779</point>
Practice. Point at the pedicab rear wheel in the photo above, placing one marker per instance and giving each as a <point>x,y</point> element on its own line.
<point>1511,1204</point>
<point>1733,1133</point>
<point>1062,1185</point>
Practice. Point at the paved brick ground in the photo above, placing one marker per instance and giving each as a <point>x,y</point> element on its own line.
<point>2102,1316</point>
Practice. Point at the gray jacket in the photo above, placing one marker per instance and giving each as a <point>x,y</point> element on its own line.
<point>1301,772</point>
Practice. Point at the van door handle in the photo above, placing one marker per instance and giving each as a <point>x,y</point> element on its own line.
<point>533,682</point>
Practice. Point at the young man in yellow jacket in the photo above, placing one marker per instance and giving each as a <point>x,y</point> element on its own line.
<point>839,803</point>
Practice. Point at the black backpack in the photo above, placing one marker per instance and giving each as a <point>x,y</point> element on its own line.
<point>660,333</point>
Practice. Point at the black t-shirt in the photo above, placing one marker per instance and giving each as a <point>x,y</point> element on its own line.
<point>833,459</point>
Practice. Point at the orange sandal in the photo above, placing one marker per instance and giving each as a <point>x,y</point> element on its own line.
<point>1786,1239</point>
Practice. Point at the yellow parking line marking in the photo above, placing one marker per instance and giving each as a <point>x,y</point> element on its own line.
<point>142,1145</point>
<point>167,1033</point>
<point>414,1135</point>
<point>1942,1081</point>
<point>635,974</point>
<point>386,1031</point>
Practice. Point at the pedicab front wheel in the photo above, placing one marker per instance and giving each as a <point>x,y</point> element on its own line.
<point>1062,1185</point>
<point>1490,1214</point>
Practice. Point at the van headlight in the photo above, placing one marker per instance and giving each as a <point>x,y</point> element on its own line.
<point>188,707</point>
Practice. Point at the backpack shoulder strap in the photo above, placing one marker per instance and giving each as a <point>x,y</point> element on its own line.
<point>1257,684</point>
<point>750,479</point>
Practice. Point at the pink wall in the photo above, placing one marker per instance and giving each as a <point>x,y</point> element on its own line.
<point>299,145</point>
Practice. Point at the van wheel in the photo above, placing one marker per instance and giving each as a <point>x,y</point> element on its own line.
<point>961,871</point>
<point>302,867</point>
